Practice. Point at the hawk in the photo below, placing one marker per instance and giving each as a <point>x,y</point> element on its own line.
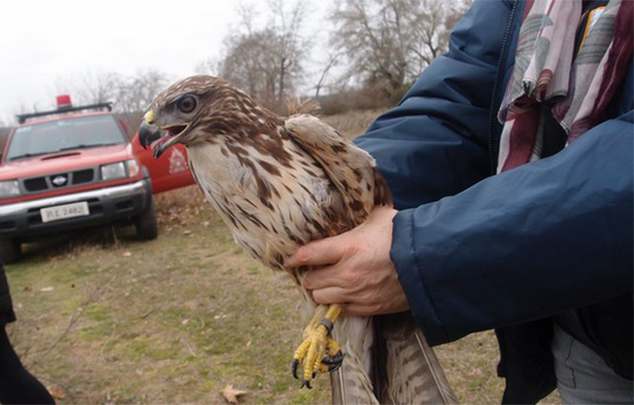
<point>278,184</point>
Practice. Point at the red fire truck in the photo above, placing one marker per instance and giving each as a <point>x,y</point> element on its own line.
<point>75,167</point>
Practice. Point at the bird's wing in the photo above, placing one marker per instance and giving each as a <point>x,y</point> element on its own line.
<point>350,168</point>
<point>404,368</point>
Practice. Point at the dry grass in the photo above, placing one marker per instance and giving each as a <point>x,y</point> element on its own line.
<point>352,123</point>
<point>169,321</point>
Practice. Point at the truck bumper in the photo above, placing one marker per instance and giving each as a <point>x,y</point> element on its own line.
<point>106,205</point>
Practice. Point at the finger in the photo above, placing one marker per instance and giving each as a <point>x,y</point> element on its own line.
<point>322,277</point>
<point>330,295</point>
<point>360,310</point>
<point>318,253</point>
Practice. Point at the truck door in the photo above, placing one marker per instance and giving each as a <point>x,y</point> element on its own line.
<point>168,172</point>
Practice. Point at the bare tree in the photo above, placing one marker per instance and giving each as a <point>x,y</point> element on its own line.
<point>267,62</point>
<point>130,95</point>
<point>210,66</point>
<point>289,47</point>
<point>435,20</point>
<point>89,87</point>
<point>333,59</point>
<point>389,42</point>
<point>135,93</point>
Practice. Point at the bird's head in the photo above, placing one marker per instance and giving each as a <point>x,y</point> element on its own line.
<point>188,112</point>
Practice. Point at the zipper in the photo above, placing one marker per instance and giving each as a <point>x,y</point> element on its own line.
<point>494,149</point>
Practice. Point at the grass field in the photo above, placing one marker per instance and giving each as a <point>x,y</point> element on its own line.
<point>104,318</point>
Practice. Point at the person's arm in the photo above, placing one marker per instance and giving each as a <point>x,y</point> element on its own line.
<point>537,240</point>
<point>436,142</point>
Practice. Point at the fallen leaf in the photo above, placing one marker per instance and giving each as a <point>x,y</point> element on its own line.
<point>187,232</point>
<point>231,394</point>
<point>127,254</point>
<point>47,289</point>
<point>57,393</point>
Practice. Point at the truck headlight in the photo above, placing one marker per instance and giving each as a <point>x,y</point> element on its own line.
<point>9,188</point>
<point>133,167</point>
<point>113,171</point>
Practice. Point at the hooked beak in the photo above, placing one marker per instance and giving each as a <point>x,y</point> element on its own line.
<point>150,135</point>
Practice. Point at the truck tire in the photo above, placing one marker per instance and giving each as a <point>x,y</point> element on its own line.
<point>145,223</point>
<point>11,250</point>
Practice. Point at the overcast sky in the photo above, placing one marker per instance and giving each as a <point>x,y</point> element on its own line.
<point>44,43</point>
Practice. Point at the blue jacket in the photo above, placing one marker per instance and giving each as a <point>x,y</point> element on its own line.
<point>476,251</point>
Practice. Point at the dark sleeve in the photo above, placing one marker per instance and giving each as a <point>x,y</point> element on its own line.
<point>539,239</point>
<point>6,306</point>
<point>436,142</point>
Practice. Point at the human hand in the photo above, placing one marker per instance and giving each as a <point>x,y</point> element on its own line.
<point>355,268</point>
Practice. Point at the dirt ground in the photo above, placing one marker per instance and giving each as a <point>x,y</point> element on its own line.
<point>104,318</point>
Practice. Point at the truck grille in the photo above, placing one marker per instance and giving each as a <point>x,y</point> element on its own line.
<point>59,180</point>
<point>83,176</point>
<point>36,184</point>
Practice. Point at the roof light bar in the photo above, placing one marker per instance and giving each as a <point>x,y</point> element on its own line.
<point>100,106</point>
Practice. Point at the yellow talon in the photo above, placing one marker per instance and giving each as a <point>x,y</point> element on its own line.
<point>319,352</point>
<point>301,350</point>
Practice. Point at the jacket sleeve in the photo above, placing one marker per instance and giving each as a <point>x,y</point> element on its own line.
<point>436,142</point>
<point>532,242</point>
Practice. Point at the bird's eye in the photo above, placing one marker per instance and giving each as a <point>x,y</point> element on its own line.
<point>187,104</point>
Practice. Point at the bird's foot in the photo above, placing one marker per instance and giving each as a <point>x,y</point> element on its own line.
<point>319,353</point>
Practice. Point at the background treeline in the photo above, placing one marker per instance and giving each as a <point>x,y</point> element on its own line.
<point>375,50</point>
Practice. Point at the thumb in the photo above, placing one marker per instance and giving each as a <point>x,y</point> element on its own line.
<point>317,253</point>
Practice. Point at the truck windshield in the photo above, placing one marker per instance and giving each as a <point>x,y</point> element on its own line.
<point>64,135</point>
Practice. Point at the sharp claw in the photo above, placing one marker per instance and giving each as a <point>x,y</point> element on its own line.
<point>336,359</point>
<point>294,368</point>
<point>334,362</point>
<point>306,384</point>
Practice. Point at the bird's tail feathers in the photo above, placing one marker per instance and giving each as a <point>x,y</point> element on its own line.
<point>413,370</point>
<point>351,384</point>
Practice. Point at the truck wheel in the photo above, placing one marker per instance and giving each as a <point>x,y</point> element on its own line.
<point>11,250</point>
<point>145,223</point>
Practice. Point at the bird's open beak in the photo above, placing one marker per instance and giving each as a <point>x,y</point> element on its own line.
<point>150,134</point>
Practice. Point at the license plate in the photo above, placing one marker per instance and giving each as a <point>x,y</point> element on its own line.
<point>79,209</point>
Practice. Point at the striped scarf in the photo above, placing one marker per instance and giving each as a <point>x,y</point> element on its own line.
<point>545,79</point>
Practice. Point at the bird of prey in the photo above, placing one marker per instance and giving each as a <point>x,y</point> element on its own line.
<point>281,183</point>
